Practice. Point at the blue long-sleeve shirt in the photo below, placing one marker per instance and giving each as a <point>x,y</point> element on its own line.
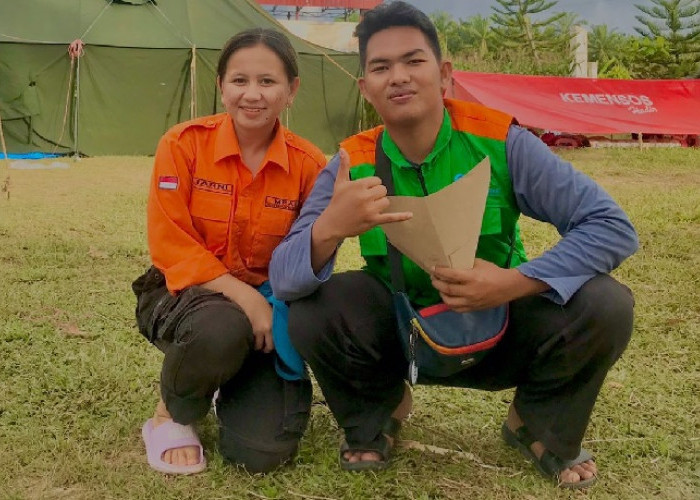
<point>596,235</point>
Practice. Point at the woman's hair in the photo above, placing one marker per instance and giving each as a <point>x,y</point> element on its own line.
<point>395,14</point>
<point>273,40</point>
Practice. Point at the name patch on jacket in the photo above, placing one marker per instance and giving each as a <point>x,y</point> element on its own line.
<point>212,186</point>
<point>281,203</point>
<point>167,182</point>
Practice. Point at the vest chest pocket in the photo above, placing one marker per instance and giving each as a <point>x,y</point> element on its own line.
<point>373,243</point>
<point>491,222</point>
<point>211,216</point>
<point>272,227</point>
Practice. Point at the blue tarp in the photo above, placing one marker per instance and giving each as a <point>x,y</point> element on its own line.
<point>37,155</point>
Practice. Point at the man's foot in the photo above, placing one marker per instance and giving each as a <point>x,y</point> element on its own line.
<point>569,477</point>
<point>400,414</point>
<point>187,455</point>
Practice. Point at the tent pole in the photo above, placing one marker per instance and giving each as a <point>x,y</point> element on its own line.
<point>193,84</point>
<point>76,97</point>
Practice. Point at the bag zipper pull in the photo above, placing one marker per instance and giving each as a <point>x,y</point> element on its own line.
<point>412,364</point>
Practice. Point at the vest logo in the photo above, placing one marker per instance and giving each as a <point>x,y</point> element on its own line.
<point>281,203</point>
<point>211,186</point>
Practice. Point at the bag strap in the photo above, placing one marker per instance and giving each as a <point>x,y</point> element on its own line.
<point>382,167</point>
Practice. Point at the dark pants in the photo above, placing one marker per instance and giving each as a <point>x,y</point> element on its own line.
<point>208,345</point>
<point>556,356</point>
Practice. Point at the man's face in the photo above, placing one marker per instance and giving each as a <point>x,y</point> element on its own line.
<point>403,79</point>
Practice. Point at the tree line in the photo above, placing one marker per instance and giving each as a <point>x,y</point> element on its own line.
<point>528,37</point>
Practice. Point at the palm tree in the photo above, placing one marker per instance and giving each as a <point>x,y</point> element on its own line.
<point>604,44</point>
<point>478,32</point>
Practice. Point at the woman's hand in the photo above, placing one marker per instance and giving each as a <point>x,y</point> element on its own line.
<point>254,305</point>
<point>259,312</point>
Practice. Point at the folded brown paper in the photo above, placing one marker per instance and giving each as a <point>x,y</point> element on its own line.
<point>445,226</point>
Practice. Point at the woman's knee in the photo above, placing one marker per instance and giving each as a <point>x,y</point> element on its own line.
<point>218,338</point>
<point>257,460</point>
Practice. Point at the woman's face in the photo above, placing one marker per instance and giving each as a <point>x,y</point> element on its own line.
<point>255,88</point>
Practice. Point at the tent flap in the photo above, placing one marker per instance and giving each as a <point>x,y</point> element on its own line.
<point>586,105</point>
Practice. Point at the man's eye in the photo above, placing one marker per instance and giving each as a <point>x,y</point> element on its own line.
<point>416,61</point>
<point>377,69</point>
<point>238,81</point>
<point>267,81</point>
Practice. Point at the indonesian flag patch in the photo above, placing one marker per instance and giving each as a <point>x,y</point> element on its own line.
<point>167,182</point>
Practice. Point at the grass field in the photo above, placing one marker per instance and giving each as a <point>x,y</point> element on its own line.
<point>77,380</point>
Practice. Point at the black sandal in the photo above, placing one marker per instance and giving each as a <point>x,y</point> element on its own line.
<point>380,445</point>
<point>549,465</point>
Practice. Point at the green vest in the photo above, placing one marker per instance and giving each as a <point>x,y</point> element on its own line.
<point>455,153</point>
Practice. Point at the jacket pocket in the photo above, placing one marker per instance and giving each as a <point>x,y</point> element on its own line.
<point>211,216</point>
<point>273,226</point>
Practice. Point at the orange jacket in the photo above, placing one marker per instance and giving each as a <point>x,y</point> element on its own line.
<point>208,215</point>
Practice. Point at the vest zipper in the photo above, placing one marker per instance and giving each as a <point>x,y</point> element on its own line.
<point>419,171</point>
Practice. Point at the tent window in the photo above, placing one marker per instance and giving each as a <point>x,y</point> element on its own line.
<point>134,2</point>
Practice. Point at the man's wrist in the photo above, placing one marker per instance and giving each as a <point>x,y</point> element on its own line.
<point>323,233</point>
<point>524,286</point>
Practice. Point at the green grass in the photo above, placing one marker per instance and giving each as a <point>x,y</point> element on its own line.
<point>77,381</point>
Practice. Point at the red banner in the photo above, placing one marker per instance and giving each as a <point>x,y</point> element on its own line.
<point>338,4</point>
<point>587,105</point>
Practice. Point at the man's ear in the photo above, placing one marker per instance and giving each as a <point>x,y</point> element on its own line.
<point>218,83</point>
<point>445,75</point>
<point>362,85</point>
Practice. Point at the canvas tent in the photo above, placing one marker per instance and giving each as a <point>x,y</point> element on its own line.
<point>587,105</point>
<point>140,61</point>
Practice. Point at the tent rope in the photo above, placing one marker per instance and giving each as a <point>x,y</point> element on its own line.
<point>339,66</point>
<point>175,28</point>
<point>6,183</point>
<point>65,110</point>
<point>97,18</point>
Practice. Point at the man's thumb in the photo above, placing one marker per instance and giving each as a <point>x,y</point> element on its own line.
<point>344,167</point>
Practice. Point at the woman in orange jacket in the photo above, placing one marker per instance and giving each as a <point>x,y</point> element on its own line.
<point>225,190</point>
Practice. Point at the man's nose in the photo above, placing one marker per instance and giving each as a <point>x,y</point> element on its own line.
<point>399,74</point>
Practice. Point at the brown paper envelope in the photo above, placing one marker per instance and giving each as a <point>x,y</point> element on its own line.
<point>445,226</point>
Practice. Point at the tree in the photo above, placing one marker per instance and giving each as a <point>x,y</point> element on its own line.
<point>516,27</point>
<point>678,22</point>
<point>445,26</point>
<point>604,44</point>
<point>477,30</point>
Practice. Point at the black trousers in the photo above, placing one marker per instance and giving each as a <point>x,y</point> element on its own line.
<point>556,356</point>
<point>208,345</point>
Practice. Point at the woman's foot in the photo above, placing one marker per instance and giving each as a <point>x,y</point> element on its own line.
<point>187,455</point>
<point>400,414</point>
<point>578,473</point>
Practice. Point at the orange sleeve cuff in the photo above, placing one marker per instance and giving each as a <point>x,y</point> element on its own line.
<point>192,270</point>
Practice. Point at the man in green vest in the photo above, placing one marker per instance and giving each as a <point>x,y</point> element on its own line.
<point>569,320</point>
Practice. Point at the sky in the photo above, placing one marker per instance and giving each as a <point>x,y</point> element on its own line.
<point>618,14</point>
